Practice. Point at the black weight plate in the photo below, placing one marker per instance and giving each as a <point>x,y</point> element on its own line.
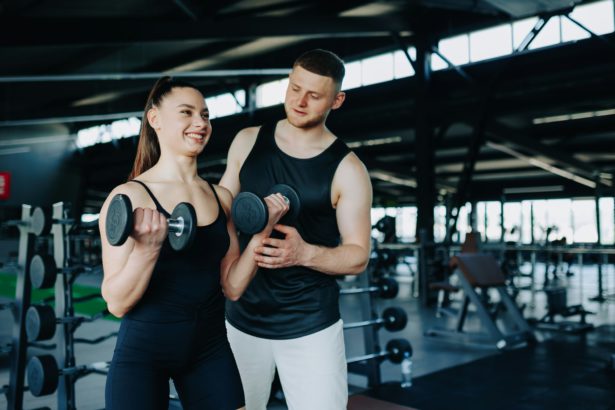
<point>43,271</point>
<point>398,349</point>
<point>183,211</point>
<point>118,224</point>
<point>395,319</point>
<point>294,202</point>
<point>40,323</point>
<point>389,288</point>
<point>42,375</point>
<point>40,223</point>
<point>249,213</point>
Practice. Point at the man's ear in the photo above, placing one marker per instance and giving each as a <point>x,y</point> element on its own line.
<point>338,100</point>
<point>152,118</point>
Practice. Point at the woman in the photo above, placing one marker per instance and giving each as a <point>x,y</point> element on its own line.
<point>172,302</point>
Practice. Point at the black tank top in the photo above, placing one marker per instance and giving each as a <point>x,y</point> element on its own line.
<point>295,301</point>
<point>186,283</point>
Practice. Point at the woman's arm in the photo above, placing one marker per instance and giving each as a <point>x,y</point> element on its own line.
<point>128,268</point>
<point>238,268</point>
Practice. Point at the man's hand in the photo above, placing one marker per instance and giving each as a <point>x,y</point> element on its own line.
<point>282,253</point>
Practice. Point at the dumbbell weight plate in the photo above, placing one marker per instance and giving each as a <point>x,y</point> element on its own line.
<point>40,221</point>
<point>395,319</point>
<point>40,323</point>
<point>42,374</point>
<point>389,288</point>
<point>118,223</point>
<point>43,271</point>
<point>293,201</point>
<point>249,213</point>
<point>398,349</point>
<point>183,211</point>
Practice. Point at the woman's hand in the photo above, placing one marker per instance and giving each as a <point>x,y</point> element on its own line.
<point>150,228</point>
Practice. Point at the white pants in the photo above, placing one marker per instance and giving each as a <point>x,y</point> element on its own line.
<point>312,368</point>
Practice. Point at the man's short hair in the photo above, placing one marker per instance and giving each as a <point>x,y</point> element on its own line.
<point>322,62</point>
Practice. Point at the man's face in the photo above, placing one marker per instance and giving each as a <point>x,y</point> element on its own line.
<point>310,97</point>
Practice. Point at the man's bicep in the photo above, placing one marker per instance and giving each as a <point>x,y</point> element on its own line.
<point>354,206</point>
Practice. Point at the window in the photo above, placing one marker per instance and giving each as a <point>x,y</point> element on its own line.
<point>377,69</point>
<point>491,42</point>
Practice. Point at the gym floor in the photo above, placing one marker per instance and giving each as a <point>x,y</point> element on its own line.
<point>563,372</point>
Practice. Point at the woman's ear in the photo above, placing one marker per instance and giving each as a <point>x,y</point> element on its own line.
<point>153,119</point>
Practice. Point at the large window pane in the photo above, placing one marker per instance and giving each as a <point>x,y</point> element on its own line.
<point>377,69</point>
<point>512,222</point>
<point>352,79</point>
<point>271,93</point>
<point>560,219</point>
<point>549,35</point>
<point>455,49</point>
<point>584,220</point>
<point>491,42</point>
<point>606,221</point>
<point>494,227</point>
<point>598,17</point>
<point>521,29</point>
<point>402,67</point>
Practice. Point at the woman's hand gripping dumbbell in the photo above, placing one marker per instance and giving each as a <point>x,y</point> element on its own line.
<point>120,222</point>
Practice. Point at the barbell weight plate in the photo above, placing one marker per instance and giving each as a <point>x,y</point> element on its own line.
<point>389,288</point>
<point>186,212</point>
<point>42,375</point>
<point>249,213</point>
<point>40,223</point>
<point>293,200</point>
<point>119,222</point>
<point>43,271</point>
<point>40,323</point>
<point>398,349</point>
<point>395,319</point>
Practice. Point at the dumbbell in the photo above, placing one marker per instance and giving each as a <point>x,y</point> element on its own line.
<point>43,373</point>
<point>119,223</point>
<point>250,213</point>
<point>43,271</point>
<point>396,350</point>
<point>393,319</point>
<point>385,288</point>
<point>41,321</point>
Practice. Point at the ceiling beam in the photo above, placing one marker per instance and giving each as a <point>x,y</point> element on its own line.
<point>45,32</point>
<point>549,158</point>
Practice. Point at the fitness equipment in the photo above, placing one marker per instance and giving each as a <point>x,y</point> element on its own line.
<point>385,288</point>
<point>119,223</point>
<point>393,319</point>
<point>41,321</point>
<point>250,212</point>
<point>43,373</point>
<point>395,351</point>
<point>43,270</point>
<point>39,223</point>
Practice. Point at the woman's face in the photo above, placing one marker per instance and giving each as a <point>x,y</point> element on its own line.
<point>182,122</point>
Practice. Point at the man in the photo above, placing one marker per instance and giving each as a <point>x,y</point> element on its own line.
<point>289,318</point>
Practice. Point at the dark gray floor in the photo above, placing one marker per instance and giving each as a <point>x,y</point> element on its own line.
<point>429,355</point>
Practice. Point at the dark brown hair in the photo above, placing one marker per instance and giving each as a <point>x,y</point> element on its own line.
<point>323,62</point>
<point>148,149</point>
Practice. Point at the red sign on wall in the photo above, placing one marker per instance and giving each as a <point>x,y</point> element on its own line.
<point>5,185</point>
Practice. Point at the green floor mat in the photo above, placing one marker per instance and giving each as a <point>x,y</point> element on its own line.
<point>88,308</point>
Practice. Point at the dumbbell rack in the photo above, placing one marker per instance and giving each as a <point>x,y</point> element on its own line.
<point>63,339</point>
<point>369,368</point>
<point>23,293</point>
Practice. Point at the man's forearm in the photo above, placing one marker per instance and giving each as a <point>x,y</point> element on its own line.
<point>347,259</point>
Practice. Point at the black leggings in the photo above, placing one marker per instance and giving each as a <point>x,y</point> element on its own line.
<point>199,362</point>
